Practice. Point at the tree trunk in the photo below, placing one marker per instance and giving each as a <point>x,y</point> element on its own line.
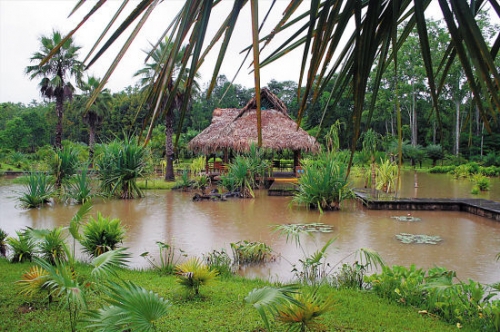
<point>59,112</point>
<point>169,146</point>
<point>457,127</point>
<point>91,143</point>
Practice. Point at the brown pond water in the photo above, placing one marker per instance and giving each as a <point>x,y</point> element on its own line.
<point>469,243</point>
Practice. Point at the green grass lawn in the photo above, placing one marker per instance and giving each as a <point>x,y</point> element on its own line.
<point>219,307</point>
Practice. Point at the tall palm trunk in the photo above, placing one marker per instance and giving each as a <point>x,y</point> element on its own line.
<point>91,142</point>
<point>59,112</point>
<point>169,146</point>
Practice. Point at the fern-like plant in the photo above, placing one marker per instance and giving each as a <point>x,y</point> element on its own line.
<point>193,273</point>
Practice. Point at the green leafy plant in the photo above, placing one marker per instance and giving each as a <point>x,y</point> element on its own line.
<point>101,234</point>
<point>386,176</point>
<point>268,300</point>
<point>193,273</point>
<point>52,245</point>
<point>79,187</point>
<point>324,184</point>
<point>120,164</point>
<point>303,314</point>
<point>239,177</point>
<point>198,165</point>
<point>64,164</point>
<point>3,243</point>
<point>481,182</point>
<point>128,307</point>
<point>246,252</point>
<point>168,258</point>
<point>23,247</point>
<point>202,182</point>
<point>38,190</point>
<point>219,261</point>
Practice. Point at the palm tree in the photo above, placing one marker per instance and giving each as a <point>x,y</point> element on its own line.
<point>319,26</point>
<point>151,74</point>
<point>55,65</point>
<point>97,111</point>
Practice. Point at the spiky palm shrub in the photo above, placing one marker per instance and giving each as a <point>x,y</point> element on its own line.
<point>38,190</point>
<point>79,187</point>
<point>246,252</point>
<point>128,308</point>
<point>259,168</point>
<point>120,164</point>
<point>101,235</point>
<point>53,246</point>
<point>323,185</point>
<point>240,177</point>
<point>386,176</point>
<point>3,243</point>
<point>64,164</point>
<point>304,315</point>
<point>23,247</point>
<point>193,273</point>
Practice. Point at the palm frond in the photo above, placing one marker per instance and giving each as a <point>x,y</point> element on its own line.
<point>267,300</point>
<point>107,263</point>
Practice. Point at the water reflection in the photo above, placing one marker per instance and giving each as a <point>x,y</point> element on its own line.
<point>469,244</point>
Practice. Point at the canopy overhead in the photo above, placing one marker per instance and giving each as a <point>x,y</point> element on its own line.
<point>236,129</point>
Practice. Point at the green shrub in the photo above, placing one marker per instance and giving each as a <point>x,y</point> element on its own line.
<point>101,235</point>
<point>220,262</point>
<point>193,273</point>
<point>168,258</point>
<point>246,252</point>
<point>3,243</point>
<point>323,185</point>
<point>23,247</point>
<point>38,190</point>
<point>442,169</point>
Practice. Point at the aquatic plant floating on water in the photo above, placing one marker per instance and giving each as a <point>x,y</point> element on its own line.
<point>418,238</point>
<point>408,217</point>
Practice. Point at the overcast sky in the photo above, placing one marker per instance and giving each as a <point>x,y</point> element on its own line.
<point>22,22</point>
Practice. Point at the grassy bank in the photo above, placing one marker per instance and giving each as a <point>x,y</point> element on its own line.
<point>219,307</point>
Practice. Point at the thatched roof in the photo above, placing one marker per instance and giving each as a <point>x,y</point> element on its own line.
<point>237,129</point>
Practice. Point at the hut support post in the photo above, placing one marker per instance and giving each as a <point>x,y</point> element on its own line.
<point>296,160</point>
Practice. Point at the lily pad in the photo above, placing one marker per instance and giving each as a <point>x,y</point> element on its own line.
<point>418,238</point>
<point>406,218</point>
<point>306,228</point>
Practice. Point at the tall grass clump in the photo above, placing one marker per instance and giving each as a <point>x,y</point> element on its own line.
<point>323,185</point>
<point>120,164</point>
<point>38,189</point>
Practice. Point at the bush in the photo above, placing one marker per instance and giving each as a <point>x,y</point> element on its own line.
<point>38,190</point>
<point>101,235</point>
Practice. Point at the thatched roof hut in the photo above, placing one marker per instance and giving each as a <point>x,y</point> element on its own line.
<point>237,129</point>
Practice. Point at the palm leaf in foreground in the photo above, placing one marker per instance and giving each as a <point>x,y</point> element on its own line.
<point>269,299</point>
<point>131,307</point>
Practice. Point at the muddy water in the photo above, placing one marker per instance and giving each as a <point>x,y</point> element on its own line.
<point>469,244</point>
